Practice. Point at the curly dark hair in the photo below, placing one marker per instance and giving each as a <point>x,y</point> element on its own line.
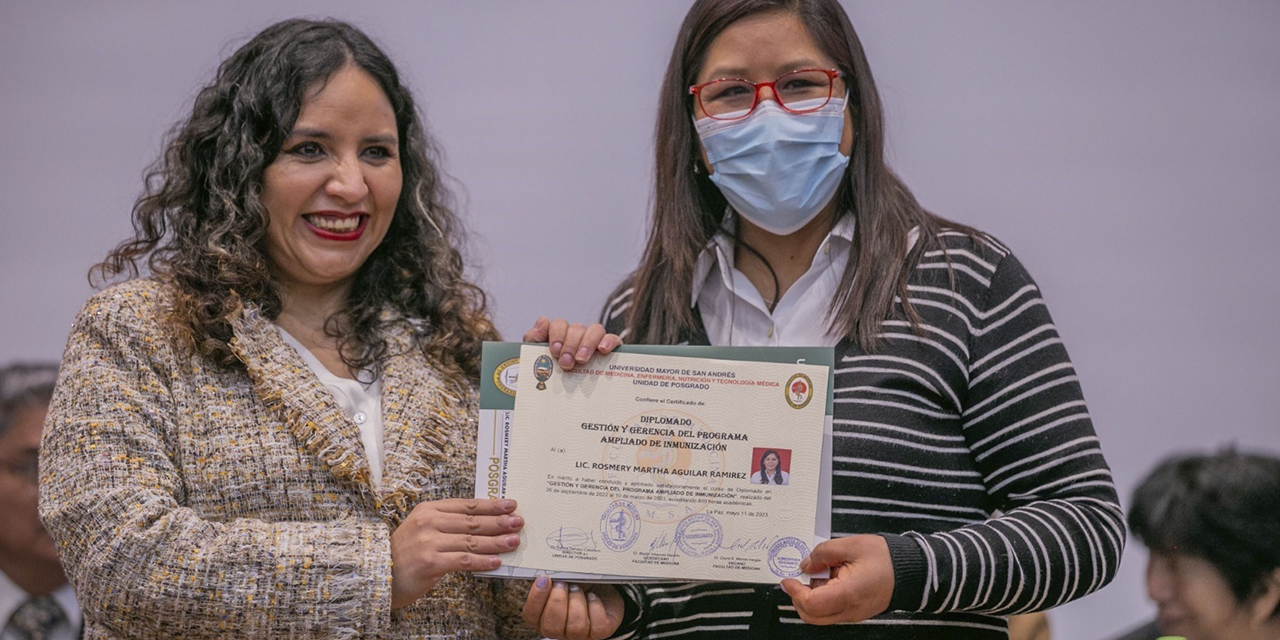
<point>200,223</point>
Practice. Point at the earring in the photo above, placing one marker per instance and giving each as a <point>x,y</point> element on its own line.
<point>697,168</point>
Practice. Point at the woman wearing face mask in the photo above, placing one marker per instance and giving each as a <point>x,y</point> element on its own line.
<point>968,482</point>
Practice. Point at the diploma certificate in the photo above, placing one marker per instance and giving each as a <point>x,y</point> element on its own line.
<point>660,466</point>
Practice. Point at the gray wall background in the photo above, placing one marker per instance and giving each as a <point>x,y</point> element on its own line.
<point>1127,151</point>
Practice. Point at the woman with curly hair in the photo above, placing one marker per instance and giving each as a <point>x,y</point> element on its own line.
<point>272,433</point>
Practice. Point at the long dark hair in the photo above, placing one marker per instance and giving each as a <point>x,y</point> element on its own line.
<point>689,209</point>
<point>777,473</point>
<point>200,223</point>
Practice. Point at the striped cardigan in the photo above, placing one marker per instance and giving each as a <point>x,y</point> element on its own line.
<point>191,500</point>
<point>967,445</point>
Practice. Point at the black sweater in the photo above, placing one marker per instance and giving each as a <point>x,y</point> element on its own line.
<point>967,446</point>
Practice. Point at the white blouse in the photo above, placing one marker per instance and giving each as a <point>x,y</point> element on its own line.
<point>360,399</point>
<point>734,312</point>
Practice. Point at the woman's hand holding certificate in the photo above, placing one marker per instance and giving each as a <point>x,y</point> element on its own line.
<point>861,583</point>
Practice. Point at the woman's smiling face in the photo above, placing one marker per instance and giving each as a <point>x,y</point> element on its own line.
<point>1195,601</point>
<point>331,192</point>
<point>771,462</point>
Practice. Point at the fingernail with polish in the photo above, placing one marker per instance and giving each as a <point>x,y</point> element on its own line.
<point>541,582</point>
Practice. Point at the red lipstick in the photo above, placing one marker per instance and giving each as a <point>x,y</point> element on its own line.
<point>331,234</point>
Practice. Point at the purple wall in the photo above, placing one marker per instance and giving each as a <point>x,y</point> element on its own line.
<point>1128,152</point>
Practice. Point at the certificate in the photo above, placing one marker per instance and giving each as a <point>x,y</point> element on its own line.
<point>666,466</point>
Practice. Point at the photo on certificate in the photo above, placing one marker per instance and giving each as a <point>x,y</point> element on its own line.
<point>657,465</point>
<point>771,466</point>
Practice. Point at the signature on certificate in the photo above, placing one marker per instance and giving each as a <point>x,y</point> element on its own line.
<point>563,538</point>
<point>662,542</point>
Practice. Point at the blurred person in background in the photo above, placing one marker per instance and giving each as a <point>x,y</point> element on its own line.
<point>1212,525</point>
<point>35,600</point>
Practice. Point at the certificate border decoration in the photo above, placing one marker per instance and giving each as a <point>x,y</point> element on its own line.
<point>497,376</point>
<point>808,394</point>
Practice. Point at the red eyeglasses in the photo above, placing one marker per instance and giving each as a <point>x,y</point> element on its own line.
<point>797,91</point>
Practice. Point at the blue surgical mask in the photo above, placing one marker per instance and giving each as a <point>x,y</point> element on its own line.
<point>777,169</point>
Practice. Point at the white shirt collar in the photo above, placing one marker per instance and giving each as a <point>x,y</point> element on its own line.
<point>12,596</point>
<point>66,598</point>
<point>719,251</point>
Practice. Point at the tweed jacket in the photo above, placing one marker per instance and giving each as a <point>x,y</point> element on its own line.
<point>190,499</point>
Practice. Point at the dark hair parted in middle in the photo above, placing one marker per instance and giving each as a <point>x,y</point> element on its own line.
<point>689,209</point>
<point>1224,508</point>
<point>201,225</point>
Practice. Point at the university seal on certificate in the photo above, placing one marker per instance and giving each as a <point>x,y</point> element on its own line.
<point>542,369</point>
<point>506,375</point>
<point>799,390</point>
